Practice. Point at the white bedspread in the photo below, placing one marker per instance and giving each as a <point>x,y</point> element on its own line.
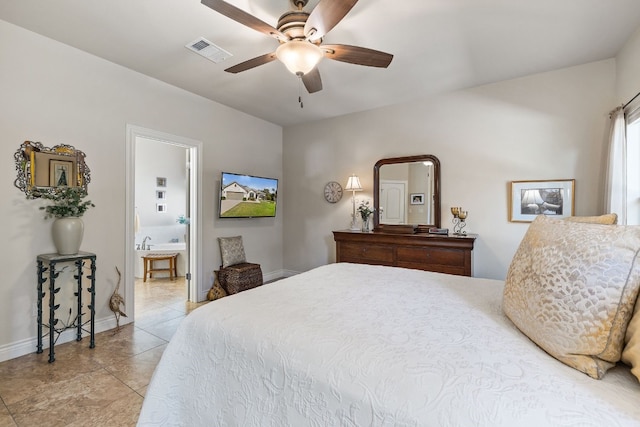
<point>357,345</point>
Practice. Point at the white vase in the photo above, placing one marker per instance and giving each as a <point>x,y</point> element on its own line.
<point>67,235</point>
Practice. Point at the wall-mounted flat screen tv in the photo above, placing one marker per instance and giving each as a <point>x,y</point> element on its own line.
<point>247,196</point>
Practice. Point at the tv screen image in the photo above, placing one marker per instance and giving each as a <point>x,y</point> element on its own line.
<point>247,196</point>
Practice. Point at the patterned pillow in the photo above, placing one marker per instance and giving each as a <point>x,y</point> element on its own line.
<point>571,289</point>
<point>232,250</point>
<point>607,219</point>
<point>631,352</point>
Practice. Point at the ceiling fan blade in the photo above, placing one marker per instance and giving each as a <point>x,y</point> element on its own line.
<point>312,81</point>
<point>244,18</point>
<point>325,16</point>
<point>357,55</point>
<point>252,63</point>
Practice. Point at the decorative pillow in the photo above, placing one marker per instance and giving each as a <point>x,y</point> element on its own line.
<point>232,250</point>
<point>571,289</point>
<point>216,291</point>
<point>607,219</point>
<point>631,352</point>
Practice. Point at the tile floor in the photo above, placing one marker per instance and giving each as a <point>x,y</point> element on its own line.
<point>100,386</point>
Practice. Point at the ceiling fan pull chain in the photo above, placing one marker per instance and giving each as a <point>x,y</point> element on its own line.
<point>300,92</point>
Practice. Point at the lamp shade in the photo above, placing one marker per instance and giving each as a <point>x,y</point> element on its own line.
<point>299,56</point>
<point>353,184</point>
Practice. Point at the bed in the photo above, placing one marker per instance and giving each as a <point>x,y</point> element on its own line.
<point>360,345</point>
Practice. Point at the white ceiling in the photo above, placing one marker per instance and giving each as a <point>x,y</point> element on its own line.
<point>438,45</point>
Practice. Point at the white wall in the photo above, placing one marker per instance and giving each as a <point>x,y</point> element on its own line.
<point>154,160</point>
<point>545,126</point>
<point>628,69</point>
<point>55,94</point>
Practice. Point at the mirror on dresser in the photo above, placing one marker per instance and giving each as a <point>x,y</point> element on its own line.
<point>406,193</point>
<point>401,238</point>
<point>42,169</point>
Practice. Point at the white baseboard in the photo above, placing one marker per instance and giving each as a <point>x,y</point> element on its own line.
<point>29,345</point>
<point>289,273</point>
<point>274,275</point>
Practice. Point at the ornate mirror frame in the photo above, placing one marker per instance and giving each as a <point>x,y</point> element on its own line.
<point>436,193</point>
<point>41,169</point>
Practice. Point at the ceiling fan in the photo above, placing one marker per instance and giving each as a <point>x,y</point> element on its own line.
<point>300,35</point>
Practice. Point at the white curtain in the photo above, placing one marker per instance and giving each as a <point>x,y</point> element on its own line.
<point>615,193</point>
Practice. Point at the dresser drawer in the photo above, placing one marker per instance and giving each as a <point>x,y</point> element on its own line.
<point>354,252</point>
<point>443,254</point>
<point>437,268</point>
<point>434,256</point>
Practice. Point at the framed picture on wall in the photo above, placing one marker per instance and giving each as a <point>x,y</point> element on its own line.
<point>161,194</point>
<point>161,182</point>
<point>161,207</point>
<point>61,173</point>
<point>528,199</point>
<point>416,198</point>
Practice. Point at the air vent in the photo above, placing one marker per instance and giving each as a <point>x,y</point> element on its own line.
<point>204,47</point>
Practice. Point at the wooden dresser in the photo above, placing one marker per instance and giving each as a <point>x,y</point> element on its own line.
<point>443,254</point>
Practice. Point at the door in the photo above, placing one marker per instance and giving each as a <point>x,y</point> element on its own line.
<point>392,202</point>
<point>196,286</point>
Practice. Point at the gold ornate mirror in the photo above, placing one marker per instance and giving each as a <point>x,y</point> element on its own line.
<point>406,193</point>
<point>41,169</point>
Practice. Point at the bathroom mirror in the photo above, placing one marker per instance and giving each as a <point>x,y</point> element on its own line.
<point>406,193</point>
<point>41,169</point>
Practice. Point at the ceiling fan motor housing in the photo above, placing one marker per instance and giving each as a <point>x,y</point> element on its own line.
<point>292,24</point>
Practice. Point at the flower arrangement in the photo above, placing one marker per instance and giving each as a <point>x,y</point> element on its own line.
<point>66,202</point>
<point>365,210</point>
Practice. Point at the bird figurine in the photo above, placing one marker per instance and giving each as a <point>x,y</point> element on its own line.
<point>115,301</point>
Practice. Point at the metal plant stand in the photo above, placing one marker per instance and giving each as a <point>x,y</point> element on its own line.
<point>49,262</point>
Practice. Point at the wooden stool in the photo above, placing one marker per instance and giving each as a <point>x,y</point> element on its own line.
<point>149,267</point>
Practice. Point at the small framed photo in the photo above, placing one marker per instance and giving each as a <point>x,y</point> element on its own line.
<point>528,199</point>
<point>161,194</point>
<point>416,198</point>
<point>61,173</point>
<point>161,182</point>
<point>161,207</point>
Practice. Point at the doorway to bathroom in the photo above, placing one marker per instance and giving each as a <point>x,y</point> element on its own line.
<point>163,188</point>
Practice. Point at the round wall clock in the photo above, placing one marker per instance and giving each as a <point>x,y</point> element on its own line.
<point>333,192</point>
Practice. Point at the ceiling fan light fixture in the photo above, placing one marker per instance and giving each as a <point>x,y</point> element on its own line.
<point>299,56</point>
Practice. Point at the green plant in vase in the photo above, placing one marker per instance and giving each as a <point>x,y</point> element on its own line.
<point>66,202</point>
<point>67,206</point>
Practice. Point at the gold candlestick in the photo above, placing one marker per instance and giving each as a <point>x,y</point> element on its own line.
<point>459,220</point>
